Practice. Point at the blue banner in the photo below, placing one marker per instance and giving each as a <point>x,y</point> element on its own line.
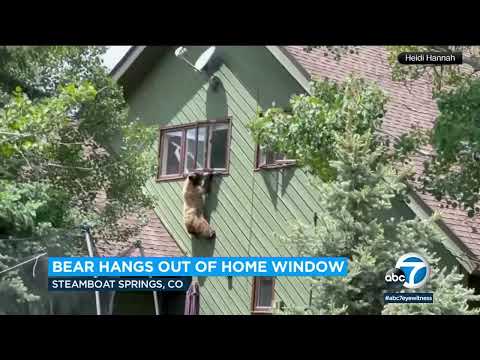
<point>192,266</point>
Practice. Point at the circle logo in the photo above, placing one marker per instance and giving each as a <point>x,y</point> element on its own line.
<point>394,278</point>
<point>415,268</point>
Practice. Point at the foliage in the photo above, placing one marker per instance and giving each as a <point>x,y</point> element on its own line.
<point>360,176</point>
<point>337,51</point>
<point>64,138</point>
<point>442,77</point>
<point>453,173</point>
<point>316,121</point>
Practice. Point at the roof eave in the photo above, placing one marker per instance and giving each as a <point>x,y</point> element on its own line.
<point>292,66</point>
<point>449,240</point>
<point>126,61</point>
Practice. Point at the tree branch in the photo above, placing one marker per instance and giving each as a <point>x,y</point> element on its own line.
<point>398,139</point>
<point>72,143</point>
<point>25,158</point>
<point>474,62</point>
<point>14,134</point>
<point>69,167</point>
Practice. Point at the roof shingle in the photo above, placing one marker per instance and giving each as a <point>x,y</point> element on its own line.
<point>154,238</point>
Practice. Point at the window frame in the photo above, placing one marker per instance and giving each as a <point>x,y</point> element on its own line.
<point>184,128</point>
<point>277,164</point>
<point>261,310</point>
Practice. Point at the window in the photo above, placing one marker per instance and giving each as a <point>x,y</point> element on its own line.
<point>263,293</point>
<point>200,146</point>
<point>266,159</point>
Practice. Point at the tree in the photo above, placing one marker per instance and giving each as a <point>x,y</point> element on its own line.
<point>335,134</point>
<point>452,172</point>
<point>65,137</point>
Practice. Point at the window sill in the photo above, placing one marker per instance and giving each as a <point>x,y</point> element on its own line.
<point>262,312</point>
<point>275,166</point>
<point>183,176</point>
<point>170,178</point>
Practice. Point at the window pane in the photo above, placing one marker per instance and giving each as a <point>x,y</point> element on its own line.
<point>218,152</point>
<point>171,150</point>
<point>190,149</point>
<point>201,147</point>
<point>262,157</point>
<point>270,157</point>
<point>265,292</point>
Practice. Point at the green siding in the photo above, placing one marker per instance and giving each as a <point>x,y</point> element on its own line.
<point>249,210</point>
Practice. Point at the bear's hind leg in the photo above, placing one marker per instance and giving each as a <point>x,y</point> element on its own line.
<point>206,230</point>
<point>200,227</point>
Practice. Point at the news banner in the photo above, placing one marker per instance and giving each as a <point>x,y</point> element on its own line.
<point>174,274</point>
<point>161,274</point>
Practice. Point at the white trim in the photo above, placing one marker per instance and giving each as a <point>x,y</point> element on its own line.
<point>124,63</point>
<point>291,65</point>
<point>447,241</point>
<point>111,303</point>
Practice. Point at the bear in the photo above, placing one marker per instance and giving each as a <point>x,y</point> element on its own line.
<point>193,205</point>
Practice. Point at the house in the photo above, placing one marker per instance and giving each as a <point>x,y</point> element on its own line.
<point>202,119</point>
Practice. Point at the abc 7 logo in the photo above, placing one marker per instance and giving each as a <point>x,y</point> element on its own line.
<point>411,272</point>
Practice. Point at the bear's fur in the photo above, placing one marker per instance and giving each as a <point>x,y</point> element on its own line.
<point>193,205</point>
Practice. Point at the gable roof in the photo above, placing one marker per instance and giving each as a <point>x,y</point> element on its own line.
<point>154,238</point>
<point>409,104</point>
<point>135,64</point>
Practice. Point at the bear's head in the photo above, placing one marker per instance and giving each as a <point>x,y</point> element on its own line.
<point>195,178</point>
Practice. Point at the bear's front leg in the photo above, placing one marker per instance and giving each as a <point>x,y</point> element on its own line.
<point>207,182</point>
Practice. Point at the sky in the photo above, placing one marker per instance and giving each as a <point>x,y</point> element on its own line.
<point>114,54</point>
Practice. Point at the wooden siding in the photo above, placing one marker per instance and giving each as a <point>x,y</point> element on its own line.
<point>249,210</point>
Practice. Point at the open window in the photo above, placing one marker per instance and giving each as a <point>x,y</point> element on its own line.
<point>202,146</point>
<point>266,159</point>
<point>263,291</point>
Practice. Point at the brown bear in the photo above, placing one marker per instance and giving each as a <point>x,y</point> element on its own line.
<point>193,195</point>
